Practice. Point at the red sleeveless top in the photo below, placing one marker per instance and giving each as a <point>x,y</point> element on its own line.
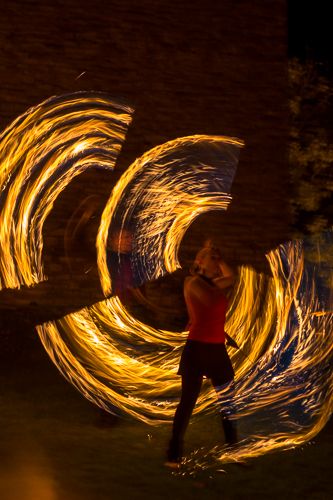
<point>209,316</point>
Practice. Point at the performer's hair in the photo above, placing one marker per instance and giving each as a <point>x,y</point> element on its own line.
<point>195,269</point>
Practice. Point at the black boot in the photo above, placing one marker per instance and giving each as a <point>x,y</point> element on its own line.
<point>175,451</point>
<point>230,431</point>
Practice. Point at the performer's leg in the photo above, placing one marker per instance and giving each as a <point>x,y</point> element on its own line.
<point>225,395</point>
<point>190,391</point>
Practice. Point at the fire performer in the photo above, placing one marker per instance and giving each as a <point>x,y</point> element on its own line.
<point>204,354</point>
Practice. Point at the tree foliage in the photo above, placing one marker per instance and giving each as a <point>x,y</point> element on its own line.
<point>311,148</point>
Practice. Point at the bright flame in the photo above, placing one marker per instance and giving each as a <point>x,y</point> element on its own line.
<point>286,398</point>
<point>283,325</point>
<point>160,195</point>
<point>120,363</point>
<point>41,152</point>
<point>124,364</point>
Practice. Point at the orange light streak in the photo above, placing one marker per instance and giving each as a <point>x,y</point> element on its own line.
<point>122,364</point>
<point>41,152</point>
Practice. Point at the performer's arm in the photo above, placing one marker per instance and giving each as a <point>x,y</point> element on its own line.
<point>231,341</point>
<point>228,277</point>
<point>188,293</point>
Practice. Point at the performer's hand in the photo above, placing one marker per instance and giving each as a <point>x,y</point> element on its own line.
<point>231,342</point>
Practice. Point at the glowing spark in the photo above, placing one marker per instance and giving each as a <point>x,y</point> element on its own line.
<point>79,76</point>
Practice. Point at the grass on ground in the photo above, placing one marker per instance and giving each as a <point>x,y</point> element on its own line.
<point>53,447</point>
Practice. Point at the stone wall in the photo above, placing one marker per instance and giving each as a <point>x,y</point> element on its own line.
<point>189,67</point>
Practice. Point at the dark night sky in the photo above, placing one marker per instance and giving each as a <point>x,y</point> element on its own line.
<point>310,31</point>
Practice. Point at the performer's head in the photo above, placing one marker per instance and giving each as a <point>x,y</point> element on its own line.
<point>207,262</point>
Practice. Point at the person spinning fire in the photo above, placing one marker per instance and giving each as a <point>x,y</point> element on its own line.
<point>204,354</point>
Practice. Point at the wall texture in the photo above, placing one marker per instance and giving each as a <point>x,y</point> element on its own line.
<point>189,67</point>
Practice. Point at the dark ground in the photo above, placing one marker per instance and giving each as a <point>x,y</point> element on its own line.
<point>55,446</point>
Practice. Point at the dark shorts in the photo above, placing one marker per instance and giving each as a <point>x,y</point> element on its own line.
<point>209,360</point>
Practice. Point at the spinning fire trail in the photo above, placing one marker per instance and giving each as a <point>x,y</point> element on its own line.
<point>283,324</point>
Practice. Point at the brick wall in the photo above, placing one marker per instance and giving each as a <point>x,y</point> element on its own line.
<point>189,67</point>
